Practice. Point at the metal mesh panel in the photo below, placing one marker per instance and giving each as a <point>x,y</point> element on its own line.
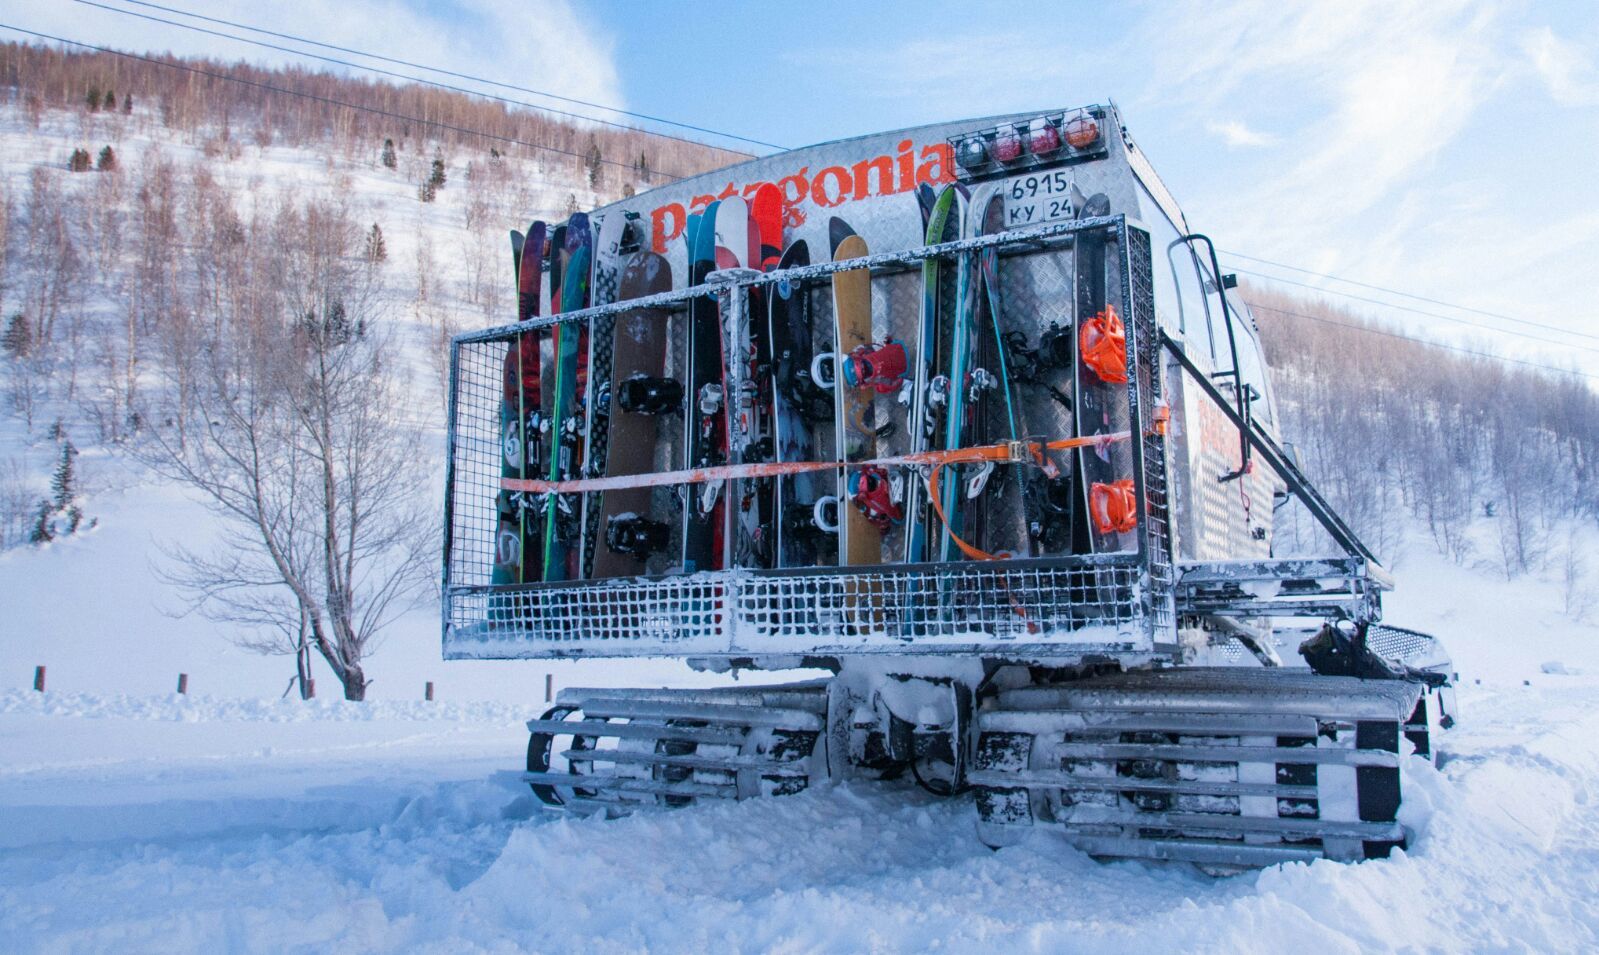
<point>475,456</point>
<point>1083,603</point>
<point>1144,342</point>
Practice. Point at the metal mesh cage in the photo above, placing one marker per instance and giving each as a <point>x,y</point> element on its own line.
<point>1106,603</point>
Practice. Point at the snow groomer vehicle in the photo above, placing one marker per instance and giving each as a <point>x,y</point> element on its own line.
<point>967,420</point>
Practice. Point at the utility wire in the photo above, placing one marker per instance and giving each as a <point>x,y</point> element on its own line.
<point>325,99</point>
<point>401,76</point>
<point>460,76</point>
<point>1422,341</point>
<point>1445,318</point>
<point>1394,291</point>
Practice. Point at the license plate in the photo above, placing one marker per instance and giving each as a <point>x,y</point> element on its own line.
<point>1038,197</point>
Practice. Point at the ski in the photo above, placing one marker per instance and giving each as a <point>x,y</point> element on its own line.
<point>930,392</point>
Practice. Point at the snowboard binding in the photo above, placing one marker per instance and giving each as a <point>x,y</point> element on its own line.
<point>1103,343</point>
<point>637,537</point>
<point>1113,507</point>
<point>642,394</point>
<point>878,496</point>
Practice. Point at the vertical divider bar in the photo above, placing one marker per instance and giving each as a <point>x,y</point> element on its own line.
<point>451,402</point>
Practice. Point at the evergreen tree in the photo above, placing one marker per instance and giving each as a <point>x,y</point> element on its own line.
<point>127,105</point>
<point>390,160</point>
<point>427,191</point>
<point>17,340</point>
<point>110,101</point>
<point>376,250</point>
<point>42,534</point>
<point>81,161</point>
<point>93,99</point>
<point>64,482</point>
<point>592,163</point>
<point>107,161</point>
<point>643,167</point>
<point>436,180</point>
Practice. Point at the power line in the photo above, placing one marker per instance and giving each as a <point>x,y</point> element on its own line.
<point>1448,318</point>
<point>461,76</point>
<point>1422,341</point>
<point>1409,295</point>
<point>383,72</point>
<point>324,99</point>
<point>1444,318</point>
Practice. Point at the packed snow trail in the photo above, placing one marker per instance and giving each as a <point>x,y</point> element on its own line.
<point>166,824</point>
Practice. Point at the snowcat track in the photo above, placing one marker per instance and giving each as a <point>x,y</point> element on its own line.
<point>1217,766</point>
<point>631,749</point>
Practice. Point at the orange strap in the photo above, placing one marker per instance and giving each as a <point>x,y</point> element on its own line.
<point>1012,452</point>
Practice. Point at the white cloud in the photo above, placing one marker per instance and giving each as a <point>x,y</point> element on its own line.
<point>1566,72</point>
<point>540,44</point>
<point>1236,134</point>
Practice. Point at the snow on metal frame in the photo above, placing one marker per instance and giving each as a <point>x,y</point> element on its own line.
<point>1115,604</point>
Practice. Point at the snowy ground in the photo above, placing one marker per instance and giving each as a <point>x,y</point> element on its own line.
<point>165,823</point>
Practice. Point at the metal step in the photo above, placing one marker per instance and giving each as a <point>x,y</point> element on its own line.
<point>751,716</point>
<point>722,735</point>
<point>1045,779</point>
<point>1194,724</point>
<point>1180,753</point>
<point>1097,816</point>
<point>1203,851</point>
<point>631,784</point>
<point>727,764</point>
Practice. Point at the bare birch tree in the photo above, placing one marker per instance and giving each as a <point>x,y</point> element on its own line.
<point>298,443</point>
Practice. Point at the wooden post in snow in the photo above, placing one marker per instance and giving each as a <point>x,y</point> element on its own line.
<point>549,687</point>
<point>38,679</point>
<point>183,684</point>
<point>428,693</point>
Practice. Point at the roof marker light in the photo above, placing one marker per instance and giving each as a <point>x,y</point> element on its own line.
<point>972,153</point>
<point>1082,131</point>
<point>1007,145</point>
<point>1044,138</point>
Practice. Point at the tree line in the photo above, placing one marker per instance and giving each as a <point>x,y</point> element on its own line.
<point>1390,427</point>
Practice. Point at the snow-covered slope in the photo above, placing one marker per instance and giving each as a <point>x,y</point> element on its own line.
<point>166,823</point>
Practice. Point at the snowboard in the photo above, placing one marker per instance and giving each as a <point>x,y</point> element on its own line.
<point>1101,396</point>
<point>930,391</point>
<point>639,397</point>
<point>705,418</point>
<point>605,283</point>
<point>519,417</point>
<point>562,517</point>
<point>1004,513</point>
<point>799,407</point>
<point>861,541</point>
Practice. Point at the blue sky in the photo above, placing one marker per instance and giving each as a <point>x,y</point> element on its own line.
<point>1441,148</point>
